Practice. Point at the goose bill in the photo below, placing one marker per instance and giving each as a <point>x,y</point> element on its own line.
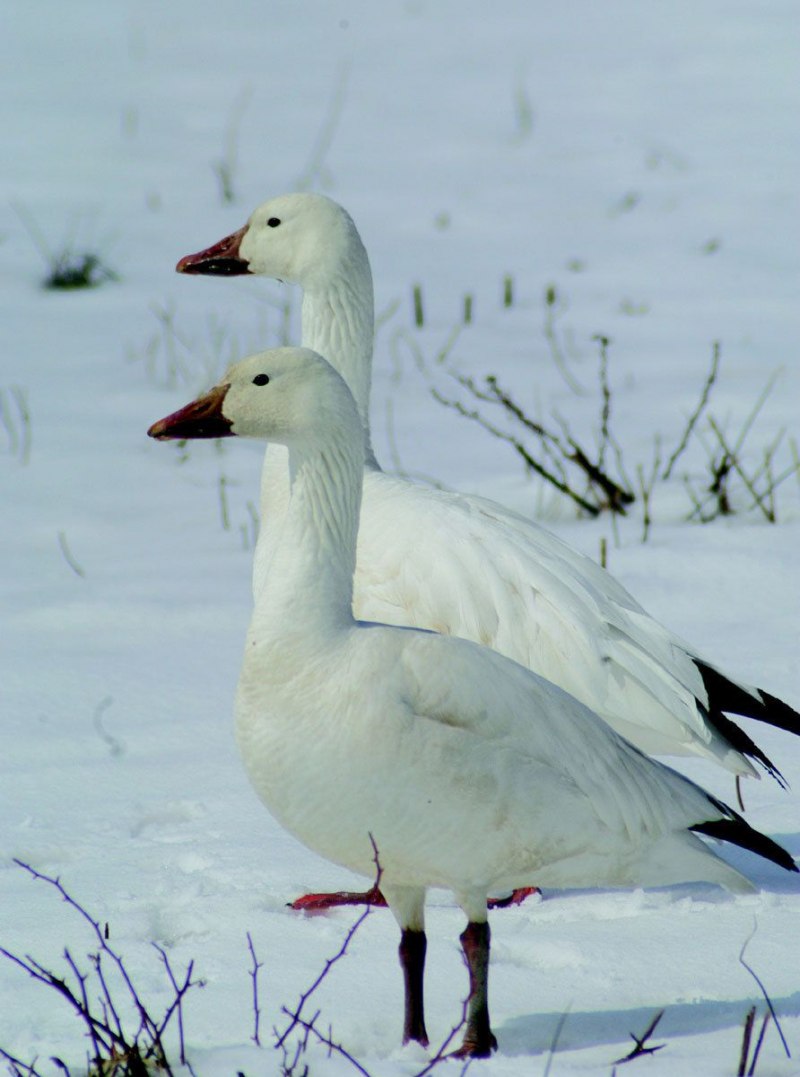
<point>202,418</point>
<point>221,260</point>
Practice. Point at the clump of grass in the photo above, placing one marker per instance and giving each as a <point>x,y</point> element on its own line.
<point>70,266</point>
<point>70,269</point>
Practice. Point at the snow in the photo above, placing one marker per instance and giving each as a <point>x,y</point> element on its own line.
<point>655,187</point>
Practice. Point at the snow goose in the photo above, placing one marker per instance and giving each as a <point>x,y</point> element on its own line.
<point>466,566</point>
<point>467,770</point>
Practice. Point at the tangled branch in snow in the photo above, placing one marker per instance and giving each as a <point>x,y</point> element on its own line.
<point>118,1049</point>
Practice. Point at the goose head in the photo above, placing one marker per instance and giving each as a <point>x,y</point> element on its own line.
<point>298,238</point>
<point>285,395</point>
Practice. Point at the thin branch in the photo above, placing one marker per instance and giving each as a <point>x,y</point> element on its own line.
<point>23,1069</point>
<point>442,1051</point>
<point>110,1042</point>
<point>759,1041</point>
<point>763,989</point>
<point>517,445</point>
<point>254,977</point>
<point>326,1040</point>
<point>295,1015</point>
<point>554,1041</point>
<point>693,418</point>
<point>68,556</point>
<point>640,1042</point>
<point>552,306</point>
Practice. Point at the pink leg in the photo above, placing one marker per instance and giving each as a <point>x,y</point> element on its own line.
<point>515,898</point>
<point>319,902</point>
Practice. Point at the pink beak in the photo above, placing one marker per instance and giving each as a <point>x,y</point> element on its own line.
<point>221,260</point>
<point>202,418</point>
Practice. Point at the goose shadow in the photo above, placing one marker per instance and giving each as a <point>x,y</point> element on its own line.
<point>533,1033</point>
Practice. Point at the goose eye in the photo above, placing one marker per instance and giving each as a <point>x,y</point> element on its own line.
<point>273,222</point>
<point>261,379</point>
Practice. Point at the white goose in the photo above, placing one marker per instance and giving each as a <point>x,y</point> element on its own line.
<point>466,566</point>
<point>469,771</point>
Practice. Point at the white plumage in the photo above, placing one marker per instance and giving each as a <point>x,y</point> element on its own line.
<point>467,770</point>
<point>468,567</point>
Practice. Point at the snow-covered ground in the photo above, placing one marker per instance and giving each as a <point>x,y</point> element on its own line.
<point>639,158</point>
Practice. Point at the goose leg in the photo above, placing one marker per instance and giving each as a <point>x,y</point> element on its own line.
<point>413,945</point>
<point>373,896</point>
<point>319,902</point>
<point>516,897</point>
<point>479,1041</point>
<point>408,908</point>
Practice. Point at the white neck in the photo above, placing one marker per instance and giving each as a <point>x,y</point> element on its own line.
<point>339,323</point>
<point>308,581</point>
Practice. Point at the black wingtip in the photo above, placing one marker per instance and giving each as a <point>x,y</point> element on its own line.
<point>726,695</point>
<point>741,742</point>
<point>736,831</point>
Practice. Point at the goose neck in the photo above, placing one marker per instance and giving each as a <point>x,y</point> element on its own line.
<point>309,582</point>
<point>338,322</point>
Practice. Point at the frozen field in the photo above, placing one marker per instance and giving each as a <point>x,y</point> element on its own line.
<point>638,160</point>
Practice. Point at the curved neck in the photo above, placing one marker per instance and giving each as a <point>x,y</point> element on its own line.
<point>339,323</point>
<point>309,579</point>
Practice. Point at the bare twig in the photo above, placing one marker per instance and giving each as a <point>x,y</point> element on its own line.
<point>254,977</point>
<point>18,1068</point>
<point>646,485</point>
<point>19,431</point>
<point>763,989</point>
<point>21,400</point>
<point>114,1050</point>
<point>551,1053</point>
<point>757,1050</point>
<point>693,418</point>
<point>552,307</point>
<point>443,1049</point>
<point>605,391</point>
<point>73,564</point>
<point>747,1032</point>
<point>295,1014</point>
<point>640,1042</point>
<point>519,448</point>
<point>115,746</point>
<point>327,1041</point>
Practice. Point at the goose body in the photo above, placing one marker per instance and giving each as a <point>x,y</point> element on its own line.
<point>462,768</point>
<point>466,566</point>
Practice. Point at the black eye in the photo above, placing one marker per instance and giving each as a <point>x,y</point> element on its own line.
<point>261,379</point>
<point>273,222</point>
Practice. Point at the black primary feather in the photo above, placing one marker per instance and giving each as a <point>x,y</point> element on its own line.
<point>726,695</point>
<point>735,830</point>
